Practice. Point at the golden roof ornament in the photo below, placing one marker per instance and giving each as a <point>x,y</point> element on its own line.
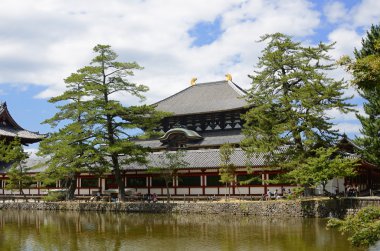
<point>228,77</point>
<point>193,80</point>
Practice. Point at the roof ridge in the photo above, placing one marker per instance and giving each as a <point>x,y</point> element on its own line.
<point>237,88</point>
<point>173,95</point>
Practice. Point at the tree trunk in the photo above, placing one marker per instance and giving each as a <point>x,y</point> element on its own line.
<point>167,192</point>
<point>324,188</point>
<point>72,186</point>
<point>225,192</point>
<point>20,188</point>
<point>118,178</point>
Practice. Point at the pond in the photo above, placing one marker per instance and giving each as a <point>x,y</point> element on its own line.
<point>47,230</point>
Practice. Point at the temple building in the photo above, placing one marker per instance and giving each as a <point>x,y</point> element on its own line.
<point>202,118</point>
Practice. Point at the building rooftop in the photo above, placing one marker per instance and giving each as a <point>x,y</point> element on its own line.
<point>10,129</point>
<point>206,158</point>
<point>204,98</point>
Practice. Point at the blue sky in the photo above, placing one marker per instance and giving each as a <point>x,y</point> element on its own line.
<point>175,40</point>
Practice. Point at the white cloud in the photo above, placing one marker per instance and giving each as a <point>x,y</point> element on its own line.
<point>335,11</point>
<point>366,12</point>
<point>346,40</point>
<point>43,43</point>
<point>348,128</point>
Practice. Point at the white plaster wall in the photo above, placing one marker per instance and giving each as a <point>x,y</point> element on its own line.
<point>182,191</point>
<point>211,191</point>
<point>157,191</point>
<point>241,190</point>
<point>196,191</point>
<point>142,190</point>
<point>257,190</point>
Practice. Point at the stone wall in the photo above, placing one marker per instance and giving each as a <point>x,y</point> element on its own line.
<point>281,208</point>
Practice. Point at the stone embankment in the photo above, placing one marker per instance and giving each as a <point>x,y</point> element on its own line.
<point>278,208</point>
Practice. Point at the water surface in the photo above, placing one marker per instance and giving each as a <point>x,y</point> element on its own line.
<point>44,230</point>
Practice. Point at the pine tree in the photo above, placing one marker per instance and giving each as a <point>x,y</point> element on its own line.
<point>366,72</point>
<point>168,166</point>
<point>289,98</point>
<point>70,150</point>
<point>227,169</point>
<point>103,127</point>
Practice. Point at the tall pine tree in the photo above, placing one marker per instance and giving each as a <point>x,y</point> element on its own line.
<point>70,150</point>
<point>290,96</point>
<point>102,130</point>
<point>366,72</point>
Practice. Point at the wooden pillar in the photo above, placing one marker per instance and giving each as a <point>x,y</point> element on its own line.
<point>78,184</point>
<point>175,184</point>
<point>203,182</point>
<point>264,178</point>
<point>149,182</point>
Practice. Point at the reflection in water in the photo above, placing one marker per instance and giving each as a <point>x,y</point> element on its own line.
<point>44,230</point>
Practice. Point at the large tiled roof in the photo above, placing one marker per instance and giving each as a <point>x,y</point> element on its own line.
<point>207,158</point>
<point>204,98</point>
<point>32,164</point>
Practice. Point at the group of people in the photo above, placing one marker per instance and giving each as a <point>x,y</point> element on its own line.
<point>351,190</point>
<point>150,197</point>
<point>276,195</point>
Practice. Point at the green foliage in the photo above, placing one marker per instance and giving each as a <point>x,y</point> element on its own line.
<point>366,77</point>
<point>54,196</point>
<point>322,166</point>
<point>13,153</point>
<point>69,150</point>
<point>289,98</point>
<point>227,169</point>
<point>363,228</point>
<point>100,134</point>
<point>167,167</point>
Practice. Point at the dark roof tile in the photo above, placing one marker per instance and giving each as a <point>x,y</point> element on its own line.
<point>204,98</point>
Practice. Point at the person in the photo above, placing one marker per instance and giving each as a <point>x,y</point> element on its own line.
<point>275,194</point>
<point>263,197</point>
<point>348,190</point>
<point>154,197</point>
<point>283,191</point>
<point>356,190</point>
<point>269,194</point>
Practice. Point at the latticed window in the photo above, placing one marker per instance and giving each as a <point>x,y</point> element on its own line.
<point>188,181</point>
<point>111,183</point>
<point>136,182</point>
<point>213,180</point>
<point>159,182</point>
<point>89,182</point>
